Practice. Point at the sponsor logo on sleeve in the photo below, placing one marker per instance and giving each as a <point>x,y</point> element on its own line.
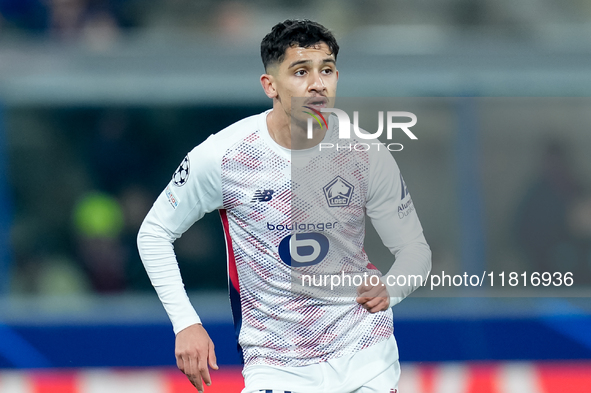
<point>405,209</point>
<point>172,198</point>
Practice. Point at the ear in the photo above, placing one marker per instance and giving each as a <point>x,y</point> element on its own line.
<point>268,83</point>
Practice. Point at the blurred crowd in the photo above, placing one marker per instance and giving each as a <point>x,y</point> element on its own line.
<point>66,19</point>
<point>553,218</point>
<point>92,175</point>
<point>100,22</point>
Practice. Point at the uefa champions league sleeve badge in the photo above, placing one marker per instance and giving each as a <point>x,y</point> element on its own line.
<point>181,175</point>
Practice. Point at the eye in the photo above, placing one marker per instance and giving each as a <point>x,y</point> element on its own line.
<point>300,73</point>
<point>327,71</point>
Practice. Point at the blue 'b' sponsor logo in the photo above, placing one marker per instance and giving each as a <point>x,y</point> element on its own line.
<point>303,249</point>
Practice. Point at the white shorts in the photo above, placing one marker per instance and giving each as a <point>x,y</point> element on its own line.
<point>372,370</point>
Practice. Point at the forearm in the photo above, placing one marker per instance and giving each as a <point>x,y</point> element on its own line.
<point>157,254</point>
<point>412,266</point>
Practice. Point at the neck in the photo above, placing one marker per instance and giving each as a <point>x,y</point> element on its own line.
<point>291,136</point>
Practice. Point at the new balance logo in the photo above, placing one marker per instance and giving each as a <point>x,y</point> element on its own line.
<point>262,196</point>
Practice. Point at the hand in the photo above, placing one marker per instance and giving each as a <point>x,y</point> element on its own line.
<point>373,298</point>
<point>193,350</point>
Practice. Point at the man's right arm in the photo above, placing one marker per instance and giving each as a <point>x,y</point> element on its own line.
<point>194,190</point>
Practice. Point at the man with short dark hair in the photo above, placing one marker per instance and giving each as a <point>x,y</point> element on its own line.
<point>289,213</point>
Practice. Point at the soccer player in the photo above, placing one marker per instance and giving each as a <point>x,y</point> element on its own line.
<point>284,222</point>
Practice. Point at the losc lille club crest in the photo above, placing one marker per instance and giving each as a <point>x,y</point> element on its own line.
<point>338,192</point>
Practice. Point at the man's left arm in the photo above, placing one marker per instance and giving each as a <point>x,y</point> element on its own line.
<point>393,215</point>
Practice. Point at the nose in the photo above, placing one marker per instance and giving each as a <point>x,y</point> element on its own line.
<point>317,82</point>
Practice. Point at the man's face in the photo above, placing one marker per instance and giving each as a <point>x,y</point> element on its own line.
<point>306,72</point>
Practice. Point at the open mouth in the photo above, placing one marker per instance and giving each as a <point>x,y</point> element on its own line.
<point>317,102</point>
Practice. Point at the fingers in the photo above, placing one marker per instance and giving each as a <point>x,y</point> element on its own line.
<point>195,368</point>
<point>180,364</point>
<point>203,371</point>
<point>188,365</point>
<point>374,304</point>
<point>377,304</point>
<point>366,293</point>
<point>194,350</point>
<point>211,357</point>
<point>369,292</point>
<point>373,298</point>
<point>194,374</point>
<point>364,288</point>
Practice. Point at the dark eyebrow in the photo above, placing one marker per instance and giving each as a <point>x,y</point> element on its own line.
<point>298,62</point>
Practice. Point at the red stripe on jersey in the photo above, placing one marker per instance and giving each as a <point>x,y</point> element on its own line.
<point>232,270</point>
<point>371,266</point>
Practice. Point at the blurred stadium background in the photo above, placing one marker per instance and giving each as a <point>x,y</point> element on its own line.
<point>101,99</point>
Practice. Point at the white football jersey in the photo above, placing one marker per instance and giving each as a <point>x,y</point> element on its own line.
<point>292,220</point>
